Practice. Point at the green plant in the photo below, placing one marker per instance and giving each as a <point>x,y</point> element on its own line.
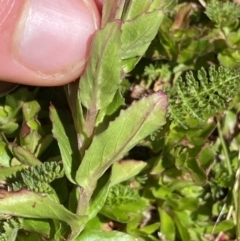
<point>162,167</point>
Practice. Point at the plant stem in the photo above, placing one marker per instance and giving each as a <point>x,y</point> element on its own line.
<point>82,209</point>
<point>84,200</point>
<point>236,194</point>
<point>238,198</point>
<point>90,121</point>
<point>225,150</point>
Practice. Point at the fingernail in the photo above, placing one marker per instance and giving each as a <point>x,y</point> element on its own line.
<point>53,34</point>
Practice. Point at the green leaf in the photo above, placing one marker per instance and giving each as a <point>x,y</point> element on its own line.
<point>220,227</point>
<point>37,225</point>
<point>138,33</point>
<point>29,133</point>
<point>11,112</point>
<point>28,237</point>
<point>152,228</point>
<point>163,4</point>
<point>206,156</point>
<point>168,46</point>
<point>124,213</point>
<point>134,124</point>
<point>37,178</point>
<point>61,230</point>
<point>9,128</point>
<point>30,110</point>
<point>167,225</point>
<point>44,144</point>
<point>226,59</point>
<point>188,203</point>
<point>192,191</point>
<point>198,174</point>
<point>95,235</point>
<point>223,13</point>
<point>5,155</point>
<point>29,136</point>
<point>129,64</point>
<point>10,234</point>
<point>163,193</point>
<point>117,102</point>
<point>74,103</point>
<point>123,204</point>
<point>24,156</point>
<point>17,99</point>
<point>101,78</point>
<point>136,8</point>
<point>95,223</point>
<point>124,170</point>
<point>112,10</point>
<point>6,172</point>
<point>198,135</point>
<point>197,100</point>
<point>67,143</point>
<point>233,39</point>
<point>193,50</point>
<point>31,205</point>
<point>181,220</point>
<point>98,199</point>
<point>73,199</point>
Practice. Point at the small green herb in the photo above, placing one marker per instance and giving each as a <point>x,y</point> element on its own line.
<point>105,165</point>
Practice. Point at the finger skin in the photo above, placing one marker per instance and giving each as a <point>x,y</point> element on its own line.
<point>66,37</point>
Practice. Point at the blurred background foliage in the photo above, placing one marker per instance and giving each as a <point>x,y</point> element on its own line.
<point>193,170</point>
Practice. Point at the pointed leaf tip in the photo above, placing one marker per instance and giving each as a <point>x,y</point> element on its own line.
<point>101,79</point>
<point>164,101</point>
<point>134,124</point>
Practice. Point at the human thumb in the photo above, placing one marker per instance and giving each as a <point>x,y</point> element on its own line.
<point>45,43</point>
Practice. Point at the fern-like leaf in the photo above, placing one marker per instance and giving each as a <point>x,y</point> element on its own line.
<point>9,229</point>
<point>121,194</point>
<point>204,97</point>
<point>37,178</point>
<point>223,13</point>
